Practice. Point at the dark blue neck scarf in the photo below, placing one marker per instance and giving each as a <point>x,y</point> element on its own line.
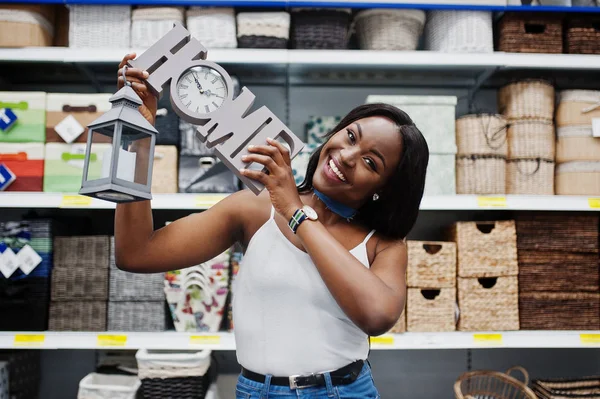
<point>335,206</point>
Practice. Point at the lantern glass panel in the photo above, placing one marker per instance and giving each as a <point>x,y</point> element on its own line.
<point>101,148</point>
<point>135,150</point>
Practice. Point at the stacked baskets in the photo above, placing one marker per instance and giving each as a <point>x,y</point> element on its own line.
<point>481,156</point>
<point>263,29</point>
<point>99,26</point>
<point>459,31</point>
<point>528,106</point>
<point>521,32</point>
<point>487,275</point>
<point>578,143</point>
<point>149,24</point>
<point>583,35</point>
<point>213,26</point>
<point>431,278</point>
<point>389,29</point>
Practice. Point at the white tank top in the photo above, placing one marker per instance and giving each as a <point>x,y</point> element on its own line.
<point>286,322</point>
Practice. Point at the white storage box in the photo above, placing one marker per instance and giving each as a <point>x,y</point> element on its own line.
<point>215,27</point>
<point>99,26</point>
<point>171,363</point>
<point>459,31</point>
<point>149,24</point>
<point>108,386</point>
<point>441,175</point>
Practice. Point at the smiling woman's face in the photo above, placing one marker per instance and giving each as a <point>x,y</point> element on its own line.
<point>358,160</point>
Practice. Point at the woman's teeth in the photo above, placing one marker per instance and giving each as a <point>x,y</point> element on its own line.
<point>336,170</point>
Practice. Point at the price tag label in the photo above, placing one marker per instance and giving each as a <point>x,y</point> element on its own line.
<point>75,201</point>
<point>29,340</point>
<point>594,203</point>
<point>111,340</point>
<point>69,129</point>
<point>491,202</point>
<point>8,262</point>
<point>28,259</point>
<point>383,340</point>
<point>590,339</point>
<point>205,340</point>
<point>206,201</point>
<point>487,339</point>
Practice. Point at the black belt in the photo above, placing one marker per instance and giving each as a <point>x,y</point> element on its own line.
<point>343,376</point>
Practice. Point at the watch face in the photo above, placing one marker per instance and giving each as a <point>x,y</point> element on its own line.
<point>201,89</point>
<point>310,213</point>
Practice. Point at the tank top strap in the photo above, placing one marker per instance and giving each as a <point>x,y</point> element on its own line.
<point>272,212</point>
<point>368,237</point>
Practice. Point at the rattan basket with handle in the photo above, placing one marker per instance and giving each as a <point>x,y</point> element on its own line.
<point>387,29</point>
<point>530,176</point>
<point>521,32</point>
<point>480,174</point>
<point>531,139</point>
<point>527,99</point>
<point>490,384</point>
<point>430,310</point>
<point>483,134</point>
<point>431,264</point>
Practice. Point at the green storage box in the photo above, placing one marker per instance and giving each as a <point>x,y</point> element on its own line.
<point>30,108</point>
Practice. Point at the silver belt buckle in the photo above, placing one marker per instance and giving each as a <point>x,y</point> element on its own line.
<point>294,384</point>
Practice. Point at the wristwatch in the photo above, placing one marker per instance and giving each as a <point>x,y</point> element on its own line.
<point>301,214</point>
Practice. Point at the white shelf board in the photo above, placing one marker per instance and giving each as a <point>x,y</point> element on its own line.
<point>226,340</point>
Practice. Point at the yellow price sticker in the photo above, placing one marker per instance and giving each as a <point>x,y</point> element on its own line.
<point>594,203</point>
<point>383,340</point>
<point>111,340</point>
<point>29,339</point>
<point>206,201</point>
<point>74,201</point>
<point>488,339</point>
<point>590,339</point>
<point>487,202</point>
<point>205,340</point>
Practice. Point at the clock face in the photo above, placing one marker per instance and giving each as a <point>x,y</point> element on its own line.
<point>201,89</point>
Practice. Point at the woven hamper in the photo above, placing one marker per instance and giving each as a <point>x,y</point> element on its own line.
<point>486,249</point>
<point>482,134</point>
<point>72,283</point>
<point>136,316</point>
<point>78,316</point>
<point>113,386</point>
<point>320,28</point>
<point>461,31</point>
<point>559,310</point>
<point>531,139</point>
<point>576,143</point>
<point>431,264</point>
<point>583,35</point>
<point>149,24</point>
<point>488,304</point>
<point>491,384</point>
<point>389,29</point>
<point>480,174</point>
<point>263,29</point>
<point>26,25</point>
<point>215,27</point>
<point>99,26</point>
<point>527,99</point>
<point>164,170</point>
<point>577,107</point>
<point>582,388</point>
<point>431,310</point>
<point>555,271</point>
<point>530,177</point>
<point>520,32</point>
<point>578,178</point>
<point>82,250</point>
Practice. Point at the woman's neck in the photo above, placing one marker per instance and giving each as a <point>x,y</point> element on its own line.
<point>326,215</point>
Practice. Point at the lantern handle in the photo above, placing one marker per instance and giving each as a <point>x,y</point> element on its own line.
<point>125,77</point>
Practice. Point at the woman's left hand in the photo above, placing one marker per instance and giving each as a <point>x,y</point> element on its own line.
<point>279,181</point>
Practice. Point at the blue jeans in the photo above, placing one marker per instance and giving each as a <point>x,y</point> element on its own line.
<point>362,388</point>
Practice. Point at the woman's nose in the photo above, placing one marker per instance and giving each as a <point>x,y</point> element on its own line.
<point>348,156</point>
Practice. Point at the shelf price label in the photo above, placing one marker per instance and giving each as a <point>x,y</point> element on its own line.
<point>196,340</point>
<point>104,340</point>
<point>491,202</point>
<point>590,339</point>
<point>594,203</point>
<point>487,339</point>
<point>75,201</point>
<point>384,340</point>
<point>29,339</point>
<point>207,200</point>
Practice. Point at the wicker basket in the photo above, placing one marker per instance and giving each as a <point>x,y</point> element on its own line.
<point>531,139</point>
<point>583,35</point>
<point>149,24</point>
<point>578,178</point>
<point>320,28</point>
<point>431,264</point>
<point>488,304</point>
<point>78,316</point>
<point>389,29</point>
<point>164,171</point>
<point>99,26</point>
<point>263,29</point>
<point>461,31</point>
<point>72,283</point>
<point>213,26</point>
<point>576,143</point>
<point>521,32</point>
<point>482,134</point>
<point>97,386</point>
<point>581,388</point>
<point>530,177</point>
<point>577,107</point>
<point>560,310</point>
<point>486,249</point>
<point>26,25</point>
<point>430,310</point>
<point>480,174</point>
<point>527,99</point>
<point>81,251</point>
<point>136,316</point>
<point>493,385</point>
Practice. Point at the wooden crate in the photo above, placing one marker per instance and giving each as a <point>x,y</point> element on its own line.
<point>431,310</point>
<point>431,264</point>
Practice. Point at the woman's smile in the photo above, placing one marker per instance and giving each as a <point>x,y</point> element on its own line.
<point>333,172</point>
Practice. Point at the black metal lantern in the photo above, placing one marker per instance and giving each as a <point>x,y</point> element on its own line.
<point>126,173</point>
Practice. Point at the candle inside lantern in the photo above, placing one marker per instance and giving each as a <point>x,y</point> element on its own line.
<point>125,166</point>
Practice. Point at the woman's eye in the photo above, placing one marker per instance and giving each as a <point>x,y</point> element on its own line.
<point>371,164</point>
<point>351,136</point>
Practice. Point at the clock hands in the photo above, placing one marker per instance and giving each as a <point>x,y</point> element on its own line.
<point>198,85</point>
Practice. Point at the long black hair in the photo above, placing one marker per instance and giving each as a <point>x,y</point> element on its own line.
<point>396,211</point>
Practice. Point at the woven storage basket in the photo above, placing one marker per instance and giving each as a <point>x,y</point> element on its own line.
<point>99,26</point>
<point>82,250</point>
<point>431,264</point>
<point>531,139</point>
<point>214,26</point>
<point>486,249</point>
<point>578,178</point>
<point>26,25</point>
<point>164,171</point>
<point>320,28</point>
<point>576,143</point>
<point>480,174</point>
<point>581,388</point>
<point>461,31</point>
<point>263,29</point>
<point>113,386</point>
<point>527,99</point>
<point>545,271</point>
<point>559,310</point>
<point>530,177</point>
<point>481,134</point>
<point>136,316</point>
<point>149,24</point>
<point>78,316</point>
<point>430,310</point>
<point>583,35</point>
<point>72,283</point>
<point>520,32</point>
<point>488,304</point>
<point>493,385</point>
<point>389,29</point>
<point>577,107</point>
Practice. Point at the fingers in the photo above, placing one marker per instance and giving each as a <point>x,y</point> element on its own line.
<point>255,175</point>
<point>126,59</point>
<point>137,84</point>
<point>282,149</point>
<point>133,73</point>
<point>264,160</point>
<point>270,150</point>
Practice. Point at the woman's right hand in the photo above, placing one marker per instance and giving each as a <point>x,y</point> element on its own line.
<point>137,77</point>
